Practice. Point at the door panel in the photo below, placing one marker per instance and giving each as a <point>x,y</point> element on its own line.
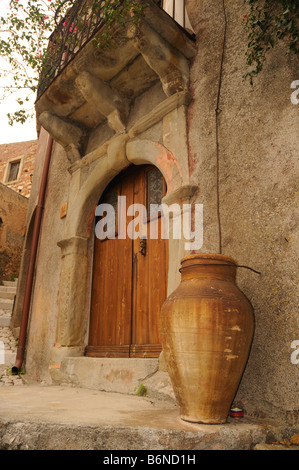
<point>129,284</point>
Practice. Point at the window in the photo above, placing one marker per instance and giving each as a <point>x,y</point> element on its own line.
<point>13,171</point>
<point>177,10</point>
<point>155,188</point>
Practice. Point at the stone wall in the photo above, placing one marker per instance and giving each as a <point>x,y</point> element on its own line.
<point>25,153</point>
<point>258,191</point>
<point>13,210</point>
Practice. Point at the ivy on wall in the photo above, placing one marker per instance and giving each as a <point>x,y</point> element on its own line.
<point>267,23</point>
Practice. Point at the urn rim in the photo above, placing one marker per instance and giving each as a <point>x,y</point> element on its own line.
<point>209,258</point>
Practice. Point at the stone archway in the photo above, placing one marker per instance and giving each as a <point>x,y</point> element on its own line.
<point>74,290</point>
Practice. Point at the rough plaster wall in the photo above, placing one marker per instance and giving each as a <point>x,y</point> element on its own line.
<point>258,168</point>
<point>43,317</point>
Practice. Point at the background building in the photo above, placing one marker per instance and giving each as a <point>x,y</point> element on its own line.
<point>16,171</point>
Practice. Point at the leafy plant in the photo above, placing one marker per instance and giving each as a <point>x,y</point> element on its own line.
<point>267,23</point>
<point>25,32</point>
<point>141,390</point>
<point>9,371</point>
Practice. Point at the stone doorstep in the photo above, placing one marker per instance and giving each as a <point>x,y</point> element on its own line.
<point>40,417</point>
<point>121,375</point>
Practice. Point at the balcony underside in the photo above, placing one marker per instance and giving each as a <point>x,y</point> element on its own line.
<point>100,84</point>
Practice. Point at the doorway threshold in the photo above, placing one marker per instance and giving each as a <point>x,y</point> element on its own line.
<point>120,375</point>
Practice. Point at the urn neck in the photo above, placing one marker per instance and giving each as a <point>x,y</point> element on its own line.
<point>208,265</point>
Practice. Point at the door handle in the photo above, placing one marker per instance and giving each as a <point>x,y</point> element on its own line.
<point>142,246</point>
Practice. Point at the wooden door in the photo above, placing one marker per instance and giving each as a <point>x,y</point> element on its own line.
<point>130,272</point>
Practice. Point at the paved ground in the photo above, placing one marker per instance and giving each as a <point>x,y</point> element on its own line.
<point>57,418</point>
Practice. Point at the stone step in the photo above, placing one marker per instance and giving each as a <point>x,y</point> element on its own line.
<point>10,283</point>
<point>7,357</point>
<point>7,295</point>
<point>40,417</point>
<point>6,304</point>
<point>7,347</point>
<point>4,321</point>
<point>7,289</point>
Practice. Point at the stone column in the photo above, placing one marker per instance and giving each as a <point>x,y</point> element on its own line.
<point>72,318</point>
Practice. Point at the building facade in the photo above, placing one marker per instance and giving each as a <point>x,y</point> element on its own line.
<point>167,105</point>
<point>16,171</point>
<point>17,164</point>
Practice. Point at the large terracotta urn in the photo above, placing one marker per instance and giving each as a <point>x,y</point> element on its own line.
<point>206,330</point>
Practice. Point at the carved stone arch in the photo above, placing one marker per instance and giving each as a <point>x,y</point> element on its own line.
<point>120,154</point>
<point>143,151</point>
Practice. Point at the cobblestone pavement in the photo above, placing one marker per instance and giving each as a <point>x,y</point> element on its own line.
<point>8,343</point>
<point>10,347</point>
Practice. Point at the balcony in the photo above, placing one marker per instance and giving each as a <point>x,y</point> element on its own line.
<point>82,84</point>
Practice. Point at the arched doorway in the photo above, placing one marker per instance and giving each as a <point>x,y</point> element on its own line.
<point>130,268</point>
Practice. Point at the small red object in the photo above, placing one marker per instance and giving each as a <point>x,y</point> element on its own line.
<point>236,413</point>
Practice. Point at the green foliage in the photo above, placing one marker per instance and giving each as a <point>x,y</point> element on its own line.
<point>10,372</point>
<point>23,41</point>
<point>267,23</point>
<point>25,33</point>
<point>115,14</point>
<point>141,390</point>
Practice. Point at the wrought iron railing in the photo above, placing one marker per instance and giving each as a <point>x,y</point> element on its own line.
<point>76,28</point>
<point>72,32</point>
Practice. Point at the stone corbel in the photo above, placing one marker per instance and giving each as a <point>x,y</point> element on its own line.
<point>65,133</point>
<point>107,101</point>
<point>169,64</point>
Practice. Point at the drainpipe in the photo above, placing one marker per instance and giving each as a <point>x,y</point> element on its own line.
<point>31,268</point>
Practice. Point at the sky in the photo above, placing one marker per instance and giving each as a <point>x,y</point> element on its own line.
<point>17,132</point>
